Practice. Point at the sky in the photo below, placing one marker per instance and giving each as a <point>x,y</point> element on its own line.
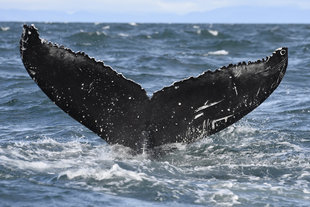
<point>157,11</point>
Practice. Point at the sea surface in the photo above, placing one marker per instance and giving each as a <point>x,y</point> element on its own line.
<point>49,159</point>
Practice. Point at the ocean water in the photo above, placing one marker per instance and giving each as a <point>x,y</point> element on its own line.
<point>48,159</point>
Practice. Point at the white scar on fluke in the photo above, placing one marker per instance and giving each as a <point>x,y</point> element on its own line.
<point>198,115</point>
<point>206,105</point>
<point>220,119</point>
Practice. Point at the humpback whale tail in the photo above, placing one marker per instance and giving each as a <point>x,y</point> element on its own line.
<point>118,109</point>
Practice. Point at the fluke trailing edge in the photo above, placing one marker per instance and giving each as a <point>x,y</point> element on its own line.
<point>118,109</point>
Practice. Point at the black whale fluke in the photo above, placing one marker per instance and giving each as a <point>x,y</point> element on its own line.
<point>118,109</point>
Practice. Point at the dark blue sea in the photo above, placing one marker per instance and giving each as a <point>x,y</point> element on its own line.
<point>49,159</point>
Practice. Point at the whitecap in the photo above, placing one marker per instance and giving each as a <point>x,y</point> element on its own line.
<point>213,32</point>
<point>38,156</point>
<point>304,175</point>
<point>218,52</point>
<point>133,24</point>
<point>100,33</point>
<point>106,27</point>
<point>123,35</point>
<point>225,197</point>
<point>306,191</point>
<point>115,172</point>
<point>5,28</point>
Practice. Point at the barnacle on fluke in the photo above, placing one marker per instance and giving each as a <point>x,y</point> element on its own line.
<point>118,109</point>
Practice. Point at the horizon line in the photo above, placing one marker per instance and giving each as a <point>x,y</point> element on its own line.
<point>138,22</point>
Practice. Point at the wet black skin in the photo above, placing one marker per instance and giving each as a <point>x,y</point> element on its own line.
<point>118,109</point>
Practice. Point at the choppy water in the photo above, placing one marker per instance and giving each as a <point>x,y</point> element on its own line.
<point>48,159</point>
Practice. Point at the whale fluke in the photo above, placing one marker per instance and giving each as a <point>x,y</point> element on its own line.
<point>119,110</point>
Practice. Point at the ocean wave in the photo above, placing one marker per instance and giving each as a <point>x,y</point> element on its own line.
<point>89,38</point>
<point>206,33</point>
<point>115,172</point>
<point>106,27</point>
<point>218,52</point>
<point>123,34</point>
<point>4,29</point>
<point>225,197</point>
<point>218,161</point>
<point>213,32</point>
<point>231,44</point>
<point>164,34</point>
